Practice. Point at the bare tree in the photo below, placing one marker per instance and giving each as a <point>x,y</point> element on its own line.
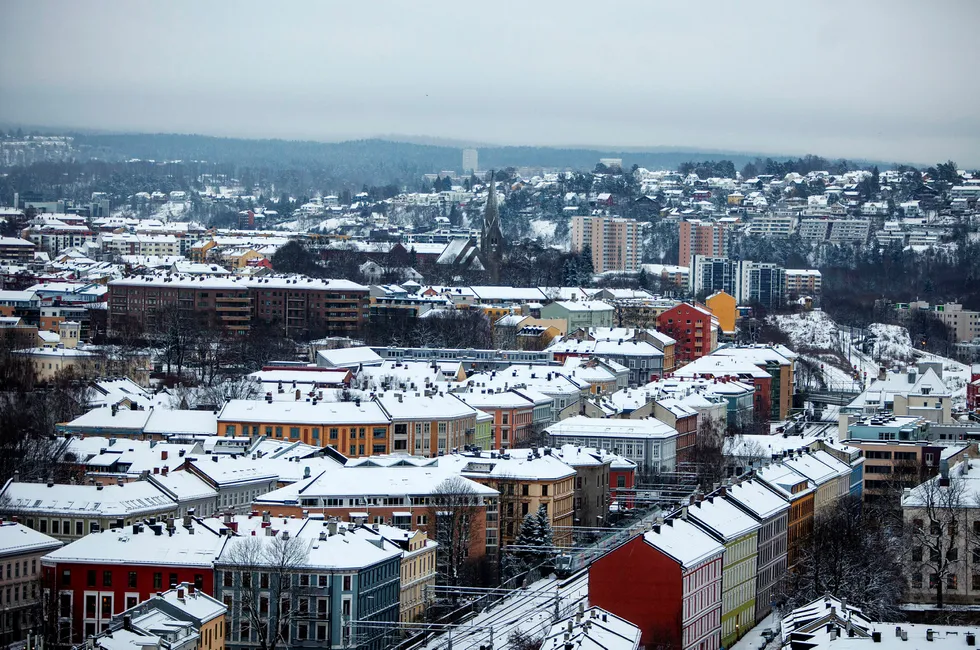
<point>850,553</point>
<point>454,507</point>
<point>706,457</point>
<point>268,586</point>
<point>934,513</point>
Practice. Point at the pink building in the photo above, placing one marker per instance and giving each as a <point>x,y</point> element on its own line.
<point>614,241</point>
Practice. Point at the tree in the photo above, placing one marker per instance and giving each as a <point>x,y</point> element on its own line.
<point>707,457</point>
<point>266,576</point>
<point>453,509</point>
<point>851,554</point>
<point>933,517</point>
<point>534,544</point>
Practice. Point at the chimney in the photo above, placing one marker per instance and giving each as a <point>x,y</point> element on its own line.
<point>876,637</point>
<point>187,521</point>
<point>164,455</point>
<point>332,527</point>
<point>180,593</point>
<point>165,471</point>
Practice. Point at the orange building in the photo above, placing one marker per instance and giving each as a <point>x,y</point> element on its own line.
<point>723,306</point>
<point>353,428</point>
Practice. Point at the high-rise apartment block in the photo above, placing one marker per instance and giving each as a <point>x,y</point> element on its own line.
<point>470,160</point>
<point>614,241</point>
<point>702,238</point>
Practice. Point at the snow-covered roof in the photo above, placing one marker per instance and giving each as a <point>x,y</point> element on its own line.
<point>757,499</point>
<point>126,547</point>
<point>18,539</point>
<point>597,630</point>
<point>611,428</point>
<point>349,357</point>
<point>135,499</point>
<point>325,413</point>
<point>722,518</point>
<point>685,542</point>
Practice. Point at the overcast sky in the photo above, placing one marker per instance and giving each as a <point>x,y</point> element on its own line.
<point>884,80</point>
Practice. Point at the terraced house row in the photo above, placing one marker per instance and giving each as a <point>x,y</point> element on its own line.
<point>715,565</point>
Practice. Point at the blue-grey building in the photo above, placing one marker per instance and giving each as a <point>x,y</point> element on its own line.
<point>315,583</point>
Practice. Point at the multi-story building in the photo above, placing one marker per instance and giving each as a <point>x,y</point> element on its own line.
<point>739,533</point>
<point>839,231</point>
<point>760,283</point>
<point>592,468</point>
<point>772,513</point>
<point>769,224</point>
<point>526,480</point>
<point>397,491</point>
<point>471,159</point>
<point>710,239</point>
<point>354,428</point>
<point>644,360</point>
<point>780,363</point>
<point>102,574</point>
<point>964,324</point>
<point>141,301</point>
<point>711,274</point>
<point>432,425</point>
<point>308,305</point>
<point>615,242</point>
<point>340,588</point>
<point>649,443</point>
<point>580,313</point>
<point>513,415</point>
<point>799,492</point>
<point>418,568</point>
<point>803,282</point>
<point>693,327</point>
<point>667,582</point>
<point>183,618</point>
<point>21,550</point>
<point>69,512</point>
<point>15,249</point>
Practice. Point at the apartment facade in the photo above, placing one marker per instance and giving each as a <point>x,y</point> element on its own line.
<point>21,550</point>
<point>702,238</point>
<point>614,241</point>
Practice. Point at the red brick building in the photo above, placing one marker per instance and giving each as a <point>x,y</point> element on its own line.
<point>301,305</point>
<point>667,582</point>
<point>106,572</point>
<point>693,328</point>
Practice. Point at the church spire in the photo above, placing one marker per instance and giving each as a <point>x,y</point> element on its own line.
<point>490,243</point>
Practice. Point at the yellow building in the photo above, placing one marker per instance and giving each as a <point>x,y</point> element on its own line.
<point>200,250</point>
<point>723,307</point>
<point>239,259</point>
<point>418,571</point>
<point>49,363</point>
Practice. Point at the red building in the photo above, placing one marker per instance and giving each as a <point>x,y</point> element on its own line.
<point>691,326</point>
<point>667,582</point>
<point>106,572</point>
<point>973,389</point>
<point>622,481</point>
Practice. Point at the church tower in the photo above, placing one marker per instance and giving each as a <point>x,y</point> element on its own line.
<point>491,240</point>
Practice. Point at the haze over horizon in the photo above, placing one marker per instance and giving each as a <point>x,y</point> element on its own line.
<point>872,80</point>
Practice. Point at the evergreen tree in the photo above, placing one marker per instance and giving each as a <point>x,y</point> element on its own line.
<point>585,267</point>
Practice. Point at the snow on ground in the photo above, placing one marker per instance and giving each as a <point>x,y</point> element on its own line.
<point>893,345</point>
<point>813,329</point>
<point>753,639</point>
<point>543,229</point>
<point>170,210</point>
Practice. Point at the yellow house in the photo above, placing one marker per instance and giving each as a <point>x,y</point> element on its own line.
<point>239,259</point>
<point>418,571</point>
<point>200,250</point>
<point>722,306</point>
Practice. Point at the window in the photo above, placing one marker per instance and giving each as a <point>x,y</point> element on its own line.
<point>347,583</point>
<point>525,490</point>
<point>421,520</point>
<point>294,432</point>
<point>264,580</point>
<point>621,481</point>
<point>333,433</point>
<point>157,581</point>
<point>89,578</point>
<point>544,490</point>
<point>279,432</point>
<point>132,580</point>
<point>79,528</point>
<point>131,601</point>
<point>377,449</point>
<point>90,606</point>
<point>951,581</point>
<point>55,526</point>
<point>953,554</point>
<point>227,579</point>
<point>379,433</point>
<point>107,578</point>
<point>917,554</point>
<point>106,609</point>
<point>229,429</point>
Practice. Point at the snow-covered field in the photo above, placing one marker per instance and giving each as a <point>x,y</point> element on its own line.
<point>813,329</point>
<point>893,347</point>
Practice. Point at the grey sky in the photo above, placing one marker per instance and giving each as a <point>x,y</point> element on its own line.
<point>884,80</point>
